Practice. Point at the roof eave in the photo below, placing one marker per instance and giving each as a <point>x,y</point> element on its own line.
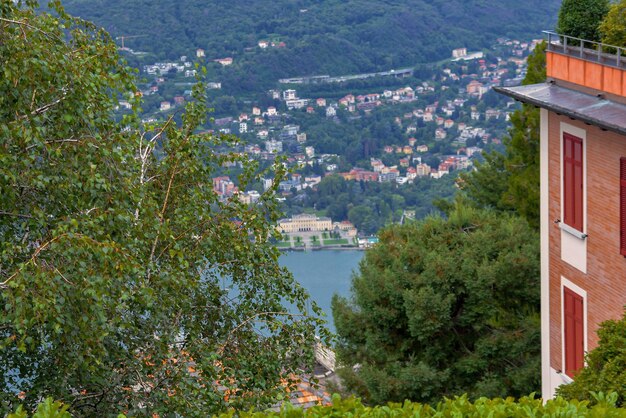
<point>525,98</point>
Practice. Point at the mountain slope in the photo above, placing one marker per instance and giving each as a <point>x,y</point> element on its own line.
<point>321,36</point>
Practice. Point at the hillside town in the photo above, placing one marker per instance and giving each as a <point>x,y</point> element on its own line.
<point>443,122</point>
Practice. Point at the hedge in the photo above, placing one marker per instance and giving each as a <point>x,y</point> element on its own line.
<point>458,407</point>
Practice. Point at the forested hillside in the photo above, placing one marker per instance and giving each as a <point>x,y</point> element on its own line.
<point>320,36</point>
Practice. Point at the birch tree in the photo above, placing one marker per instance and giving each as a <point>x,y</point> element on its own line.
<point>126,285</point>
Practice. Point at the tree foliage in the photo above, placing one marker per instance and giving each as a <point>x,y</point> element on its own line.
<point>321,37</point>
<point>125,283</point>
<point>606,366</point>
<point>510,181</point>
<point>581,18</point>
<point>372,205</point>
<point>444,307</point>
<point>613,27</point>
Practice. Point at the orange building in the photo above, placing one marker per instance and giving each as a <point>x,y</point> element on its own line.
<point>583,199</point>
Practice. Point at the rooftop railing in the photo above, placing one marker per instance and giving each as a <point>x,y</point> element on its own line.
<point>599,52</point>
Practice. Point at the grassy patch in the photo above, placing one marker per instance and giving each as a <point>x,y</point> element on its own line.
<point>336,241</point>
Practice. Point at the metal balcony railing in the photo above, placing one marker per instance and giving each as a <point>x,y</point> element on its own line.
<point>604,54</point>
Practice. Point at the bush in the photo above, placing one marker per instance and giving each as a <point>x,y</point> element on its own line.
<point>457,407</point>
<point>606,366</point>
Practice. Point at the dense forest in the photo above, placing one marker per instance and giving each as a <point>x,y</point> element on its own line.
<point>320,36</point>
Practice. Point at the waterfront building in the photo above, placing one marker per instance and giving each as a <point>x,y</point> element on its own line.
<point>305,223</point>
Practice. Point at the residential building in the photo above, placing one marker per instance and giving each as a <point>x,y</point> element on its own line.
<point>474,87</point>
<point>289,94</point>
<point>422,170</point>
<point>224,61</point>
<point>224,187</point>
<point>296,103</point>
<point>272,146</point>
<point>360,174</point>
<point>492,114</point>
<point>249,197</point>
<point>469,151</point>
<point>583,200</point>
<point>312,180</point>
<point>346,227</point>
<point>291,130</point>
<point>389,176</point>
<point>377,165</point>
<point>459,52</point>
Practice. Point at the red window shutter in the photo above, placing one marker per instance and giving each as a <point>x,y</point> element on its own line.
<point>573,181</point>
<point>622,205</point>
<point>574,332</point>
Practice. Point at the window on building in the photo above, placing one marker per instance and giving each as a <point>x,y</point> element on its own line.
<point>573,181</point>
<point>622,205</point>
<point>573,317</point>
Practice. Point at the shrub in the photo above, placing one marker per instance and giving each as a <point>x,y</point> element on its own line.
<point>606,366</point>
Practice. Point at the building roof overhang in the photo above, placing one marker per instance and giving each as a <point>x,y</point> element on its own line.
<point>590,109</point>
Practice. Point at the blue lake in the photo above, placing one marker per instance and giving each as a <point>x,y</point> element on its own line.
<point>323,273</point>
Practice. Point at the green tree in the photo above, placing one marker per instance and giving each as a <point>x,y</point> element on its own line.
<point>510,181</point>
<point>581,18</point>
<point>613,27</point>
<point>125,283</point>
<point>444,307</point>
<point>606,366</point>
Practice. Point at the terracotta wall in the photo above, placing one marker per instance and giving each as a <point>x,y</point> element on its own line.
<point>585,73</point>
<point>605,281</point>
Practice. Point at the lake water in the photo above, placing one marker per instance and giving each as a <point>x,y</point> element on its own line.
<point>323,273</point>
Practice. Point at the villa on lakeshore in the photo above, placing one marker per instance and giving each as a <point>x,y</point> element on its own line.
<point>583,199</point>
<point>310,223</point>
<point>305,223</point>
